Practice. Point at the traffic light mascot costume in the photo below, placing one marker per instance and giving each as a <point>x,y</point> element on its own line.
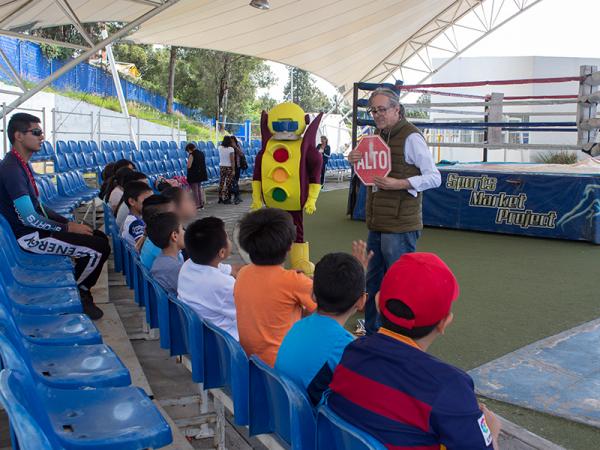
<point>287,171</point>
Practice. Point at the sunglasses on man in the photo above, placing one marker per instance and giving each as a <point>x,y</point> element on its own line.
<point>35,131</point>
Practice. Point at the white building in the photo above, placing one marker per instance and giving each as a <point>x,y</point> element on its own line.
<point>499,68</point>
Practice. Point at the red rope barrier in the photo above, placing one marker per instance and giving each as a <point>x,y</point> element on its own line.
<point>447,94</point>
<point>493,83</point>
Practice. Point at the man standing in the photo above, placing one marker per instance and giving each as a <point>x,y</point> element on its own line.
<point>37,228</point>
<point>393,209</point>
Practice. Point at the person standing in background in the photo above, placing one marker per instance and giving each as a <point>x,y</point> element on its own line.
<point>240,161</point>
<point>227,166</point>
<point>196,173</point>
<point>325,151</point>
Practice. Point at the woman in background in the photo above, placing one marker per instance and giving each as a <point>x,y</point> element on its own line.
<point>196,173</point>
<point>325,151</point>
<point>227,166</point>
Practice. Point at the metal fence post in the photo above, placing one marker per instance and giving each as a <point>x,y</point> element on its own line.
<point>92,125</point>
<point>99,127</point>
<point>53,112</point>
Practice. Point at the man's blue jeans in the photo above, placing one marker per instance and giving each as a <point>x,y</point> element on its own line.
<point>387,249</point>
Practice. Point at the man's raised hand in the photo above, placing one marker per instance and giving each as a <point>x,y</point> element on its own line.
<point>360,252</point>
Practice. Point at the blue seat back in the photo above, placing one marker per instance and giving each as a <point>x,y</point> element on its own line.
<point>116,146</point>
<point>24,412</point>
<point>100,158</point>
<point>132,146</point>
<point>60,163</point>
<point>193,338</point>
<point>164,147</point>
<point>278,406</point>
<point>144,145</point>
<point>182,145</point>
<point>154,145</point>
<point>106,146</point>
<point>73,147</point>
<point>226,365</point>
<point>334,433</point>
<point>62,147</point>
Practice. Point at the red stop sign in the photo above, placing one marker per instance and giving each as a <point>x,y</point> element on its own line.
<point>376,159</point>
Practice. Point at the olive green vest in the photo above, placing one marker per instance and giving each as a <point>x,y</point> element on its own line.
<point>396,211</point>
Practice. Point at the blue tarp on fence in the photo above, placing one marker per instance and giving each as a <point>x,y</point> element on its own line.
<point>28,60</point>
<point>553,205</point>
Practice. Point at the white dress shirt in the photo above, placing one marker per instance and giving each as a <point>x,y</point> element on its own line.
<point>209,292</point>
<point>417,153</point>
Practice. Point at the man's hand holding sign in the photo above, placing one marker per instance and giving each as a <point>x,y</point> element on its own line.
<point>373,162</point>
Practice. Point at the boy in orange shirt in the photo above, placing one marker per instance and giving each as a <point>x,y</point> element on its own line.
<point>269,299</point>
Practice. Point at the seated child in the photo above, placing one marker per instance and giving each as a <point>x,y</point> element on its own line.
<point>184,203</point>
<point>153,205</point>
<point>134,194</point>
<point>313,347</point>
<point>205,283</point>
<point>122,209</point>
<point>166,231</point>
<point>268,298</point>
<point>388,385</point>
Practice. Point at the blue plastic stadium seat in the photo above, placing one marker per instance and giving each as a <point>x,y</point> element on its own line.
<point>116,146</point>
<point>226,365</point>
<point>106,146</point>
<point>132,146</point>
<point>334,433</point>
<point>100,158</point>
<point>201,145</point>
<point>278,406</point>
<point>62,366</point>
<point>182,145</point>
<point>121,418</point>
<point>144,145</point>
<point>60,163</point>
<point>50,329</point>
<point>193,338</point>
<point>154,145</point>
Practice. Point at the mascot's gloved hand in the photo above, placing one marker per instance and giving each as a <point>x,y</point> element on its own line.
<point>311,202</point>
<point>257,202</point>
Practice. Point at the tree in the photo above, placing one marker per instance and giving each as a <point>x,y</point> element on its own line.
<point>171,83</point>
<point>425,100</point>
<point>301,89</point>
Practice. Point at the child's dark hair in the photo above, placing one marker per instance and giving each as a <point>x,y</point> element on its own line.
<point>339,282</point>
<point>133,176</point>
<point>204,239</point>
<point>160,227</point>
<point>117,180</point>
<point>133,190</point>
<point>153,205</point>
<point>107,173</point>
<point>190,147</point>
<point>20,122</point>
<point>267,235</point>
<point>174,193</point>
<point>400,309</point>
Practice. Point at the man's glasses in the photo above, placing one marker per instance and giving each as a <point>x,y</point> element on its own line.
<point>374,111</point>
<point>35,131</point>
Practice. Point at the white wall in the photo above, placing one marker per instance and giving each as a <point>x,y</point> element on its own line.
<point>497,68</point>
<point>78,120</point>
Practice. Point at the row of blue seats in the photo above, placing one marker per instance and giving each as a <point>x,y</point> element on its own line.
<point>69,192</point>
<point>62,387</point>
<point>263,400</point>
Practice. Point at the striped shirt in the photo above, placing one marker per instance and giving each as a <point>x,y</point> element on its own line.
<point>406,398</point>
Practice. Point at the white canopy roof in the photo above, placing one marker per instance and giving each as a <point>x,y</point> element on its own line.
<point>343,41</point>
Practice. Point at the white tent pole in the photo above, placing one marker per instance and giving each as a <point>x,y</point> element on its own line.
<point>118,86</point>
<point>68,66</point>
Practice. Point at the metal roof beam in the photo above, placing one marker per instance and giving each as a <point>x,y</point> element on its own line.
<point>86,54</point>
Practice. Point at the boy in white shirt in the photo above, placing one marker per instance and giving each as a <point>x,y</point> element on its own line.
<point>205,283</point>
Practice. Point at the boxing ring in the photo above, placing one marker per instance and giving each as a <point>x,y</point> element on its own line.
<point>560,201</point>
<point>552,201</point>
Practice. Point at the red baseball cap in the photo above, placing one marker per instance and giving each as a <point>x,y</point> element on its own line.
<point>424,283</point>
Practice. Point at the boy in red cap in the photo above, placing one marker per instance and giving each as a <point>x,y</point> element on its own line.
<point>388,385</point>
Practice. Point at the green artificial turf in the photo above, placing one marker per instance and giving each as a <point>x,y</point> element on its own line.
<point>514,291</point>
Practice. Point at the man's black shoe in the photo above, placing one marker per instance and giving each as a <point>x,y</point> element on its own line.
<point>89,308</point>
